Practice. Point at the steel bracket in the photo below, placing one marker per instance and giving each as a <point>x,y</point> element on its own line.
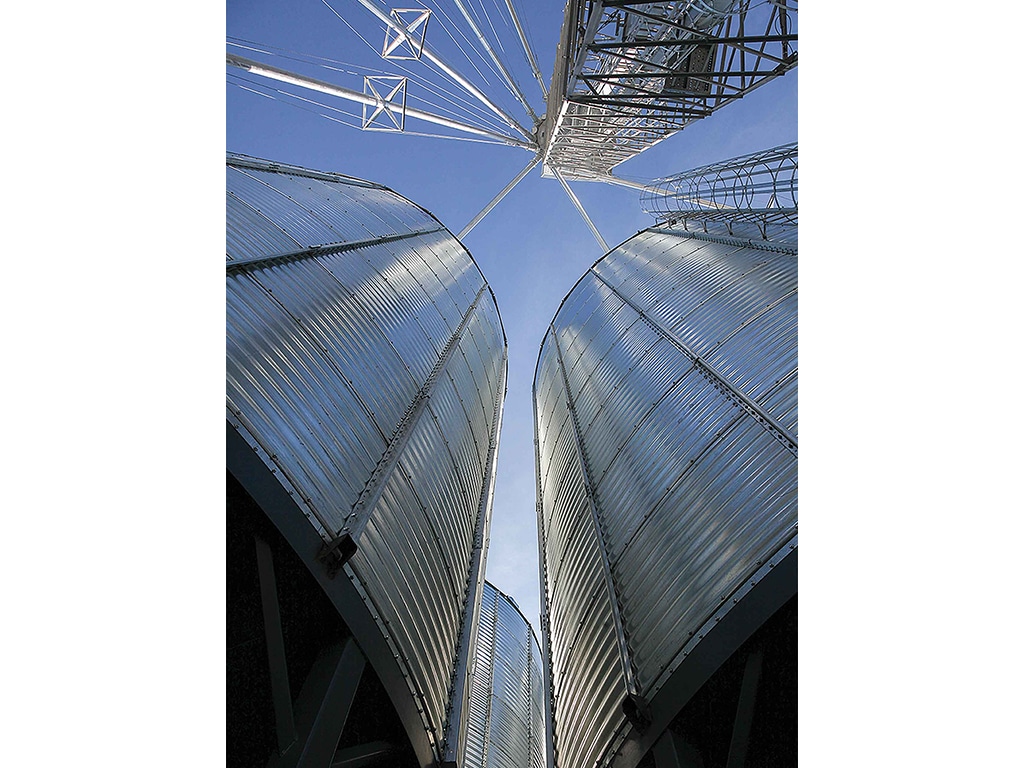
<point>336,553</point>
<point>637,711</point>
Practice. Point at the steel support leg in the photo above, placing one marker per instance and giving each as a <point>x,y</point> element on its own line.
<point>324,704</point>
<point>582,211</point>
<point>745,712</point>
<point>500,196</point>
<point>673,751</point>
<point>279,689</point>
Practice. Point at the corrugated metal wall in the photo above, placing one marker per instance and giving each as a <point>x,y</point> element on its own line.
<point>365,352</point>
<point>666,408</point>
<point>506,723</point>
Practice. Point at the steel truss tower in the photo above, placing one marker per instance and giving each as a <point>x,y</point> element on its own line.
<point>630,73</point>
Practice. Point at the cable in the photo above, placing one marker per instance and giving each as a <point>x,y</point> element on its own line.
<point>243,85</point>
<point>453,97</point>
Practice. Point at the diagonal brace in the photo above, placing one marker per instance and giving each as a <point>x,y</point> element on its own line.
<point>582,210</point>
<point>500,196</point>
<point>324,704</point>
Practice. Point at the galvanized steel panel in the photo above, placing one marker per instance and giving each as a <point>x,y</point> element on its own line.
<point>258,190</point>
<point>328,352</point>
<point>326,212</point>
<point>377,279</point>
<point>400,566</point>
<point>352,333</point>
<point>250,233</point>
<point>506,716</point>
<point>396,213</point>
<point>582,641</point>
<point>290,398</point>
<point>472,444</point>
<point>692,491</point>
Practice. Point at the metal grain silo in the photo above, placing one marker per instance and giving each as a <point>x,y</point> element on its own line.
<point>366,369</point>
<point>665,404</point>
<point>507,724</point>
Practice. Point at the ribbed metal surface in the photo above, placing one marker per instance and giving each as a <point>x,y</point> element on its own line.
<point>268,209</point>
<point>680,359</point>
<point>506,723</point>
<point>328,351</point>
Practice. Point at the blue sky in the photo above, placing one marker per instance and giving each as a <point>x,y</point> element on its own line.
<point>532,248</point>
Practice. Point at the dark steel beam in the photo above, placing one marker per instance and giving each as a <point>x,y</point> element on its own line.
<point>363,755</point>
<point>660,18</point>
<point>627,3</point>
<point>249,465</point>
<point>648,99</point>
<point>673,751</point>
<point>280,690</point>
<point>324,704</point>
<point>784,26</point>
<point>773,587</point>
<point>636,90</point>
<point>697,38</point>
<point>601,101</point>
<point>636,60</point>
<point>740,741</point>
<point>701,75</point>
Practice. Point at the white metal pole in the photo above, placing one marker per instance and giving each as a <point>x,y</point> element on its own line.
<point>501,196</point>
<point>284,76</point>
<point>526,47</point>
<point>583,212</point>
<point>446,68</point>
